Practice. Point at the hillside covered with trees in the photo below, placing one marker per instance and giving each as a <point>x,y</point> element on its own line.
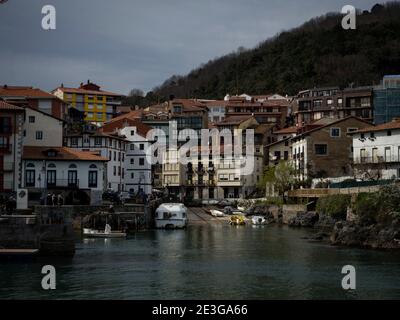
<point>318,53</point>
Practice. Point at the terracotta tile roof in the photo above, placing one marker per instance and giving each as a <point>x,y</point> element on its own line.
<point>215,103</point>
<point>189,105</point>
<point>263,128</point>
<point>132,115</point>
<point>234,120</point>
<point>395,124</point>
<point>287,130</point>
<point>62,154</point>
<point>319,127</point>
<point>6,106</point>
<point>85,91</point>
<point>123,122</point>
<point>26,92</point>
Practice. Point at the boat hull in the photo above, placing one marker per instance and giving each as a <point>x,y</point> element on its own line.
<point>171,223</point>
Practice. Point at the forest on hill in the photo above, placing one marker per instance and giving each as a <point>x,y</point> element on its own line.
<point>318,53</point>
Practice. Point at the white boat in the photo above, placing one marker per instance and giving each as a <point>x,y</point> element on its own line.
<point>171,215</point>
<point>108,233</point>
<point>258,220</point>
<point>217,213</point>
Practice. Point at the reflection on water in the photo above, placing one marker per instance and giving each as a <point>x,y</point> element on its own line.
<point>208,262</point>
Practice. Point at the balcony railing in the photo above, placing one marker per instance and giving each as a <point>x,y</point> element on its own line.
<point>59,183</point>
<point>377,159</point>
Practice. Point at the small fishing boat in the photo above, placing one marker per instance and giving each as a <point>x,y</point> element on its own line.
<point>237,220</point>
<point>171,216</point>
<point>258,220</point>
<point>217,213</point>
<point>108,233</point>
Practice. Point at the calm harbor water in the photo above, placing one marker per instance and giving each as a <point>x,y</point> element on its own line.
<point>208,262</point>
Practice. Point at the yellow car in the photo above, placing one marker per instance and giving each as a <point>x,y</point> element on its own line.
<point>237,220</point>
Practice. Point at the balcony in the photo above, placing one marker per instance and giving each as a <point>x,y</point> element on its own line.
<point>377,160</point>
<point>59,183</point>
<point>7,167</point>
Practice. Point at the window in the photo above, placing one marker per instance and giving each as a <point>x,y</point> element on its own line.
<point>39,135</point>
<point>97,141</point>
<point>31,119</point>
<point>132,161</point>
<point>178,109</point>
<point>321,149</point>
<point>4,143</point>
<point>372,135</point>
<point>74,141</point>
<point>30,178</point>
<point>141,146</point>
<point>132,175</point>
<point>115,170</point>
<point>132,132</point>
<point>286,155</point>
<point>5,125</point>
<point>132,146</point>
<point>92,179</point>
<point>389,132</point>
<point>72,178</point>
<point>141,161</point>
<point>335,132</point>
<point>51,178</point>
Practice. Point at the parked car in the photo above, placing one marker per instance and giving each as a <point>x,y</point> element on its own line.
<point>225,202</point>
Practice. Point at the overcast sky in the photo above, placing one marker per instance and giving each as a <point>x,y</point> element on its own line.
<point>124,44</point>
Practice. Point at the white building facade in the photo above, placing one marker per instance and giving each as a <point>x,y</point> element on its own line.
<point>63,171</point>
<point>138,178</point>
<point>377,151</point>
<point>107,145</point>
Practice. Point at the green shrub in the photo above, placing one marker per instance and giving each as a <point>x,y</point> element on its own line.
<point>367,207</point>
<point>334,205</point>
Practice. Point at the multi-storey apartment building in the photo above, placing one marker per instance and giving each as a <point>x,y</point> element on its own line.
<point>326,150</point>
<point>111,146</point>
<point>139,175</point>
<point>207,177</point>
<point>34,98</point>
<point>281,148</point>
<point>269,111</point>
<point>98,105</point>
<point>377,151</point>
<point>41,129</point>
<point>387,99</point>
<point>11,120</point>
<point>188,114</point>
<point>331,102</point>
<point>216,110</point>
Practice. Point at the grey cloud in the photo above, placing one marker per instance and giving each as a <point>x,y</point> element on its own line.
<point>125,44</point>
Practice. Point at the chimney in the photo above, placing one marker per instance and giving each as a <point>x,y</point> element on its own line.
<point>62,85</point>
<point>88,82</point>
<point>5,86</point>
